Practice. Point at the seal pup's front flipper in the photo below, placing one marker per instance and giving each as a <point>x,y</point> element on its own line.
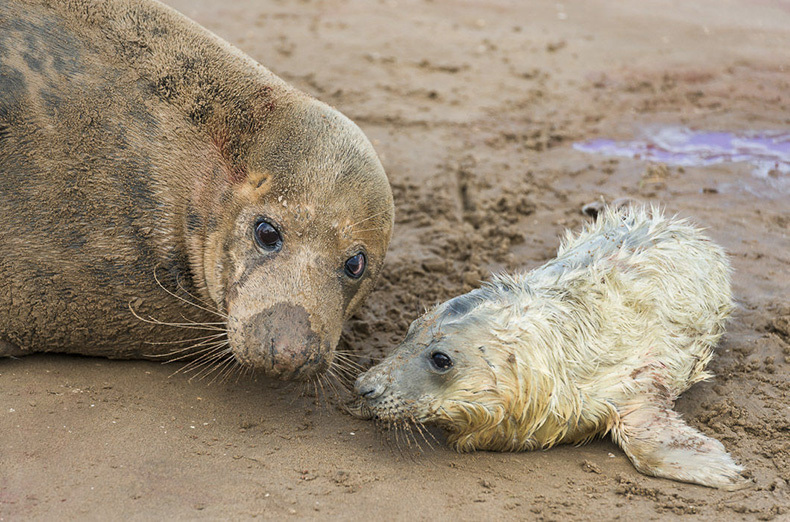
<point>661,444</point>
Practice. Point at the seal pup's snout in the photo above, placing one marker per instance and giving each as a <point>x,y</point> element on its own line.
<point>371,395</point>
<point>367,387</point>
<point>280,341</point>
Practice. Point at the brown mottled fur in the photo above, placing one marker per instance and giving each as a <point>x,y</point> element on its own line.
<point>134,141</point>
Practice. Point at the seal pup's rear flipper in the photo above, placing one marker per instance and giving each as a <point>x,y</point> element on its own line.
<point>661,444</point>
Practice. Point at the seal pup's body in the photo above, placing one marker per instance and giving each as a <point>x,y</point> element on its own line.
<point>600,340</point>
<point>144,163</point>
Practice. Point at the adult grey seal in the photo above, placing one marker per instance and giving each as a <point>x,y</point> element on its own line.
<point>600,340</point>
<point>149,170</point>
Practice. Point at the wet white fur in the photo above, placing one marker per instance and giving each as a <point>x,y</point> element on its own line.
<point>602,339</point>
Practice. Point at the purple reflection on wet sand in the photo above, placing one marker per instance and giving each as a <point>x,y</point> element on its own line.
<point>768,152</point>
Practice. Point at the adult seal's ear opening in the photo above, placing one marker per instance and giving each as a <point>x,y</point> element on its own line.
<point>147,164</point>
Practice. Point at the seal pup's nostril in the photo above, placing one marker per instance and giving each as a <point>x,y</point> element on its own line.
<point>367,390</point>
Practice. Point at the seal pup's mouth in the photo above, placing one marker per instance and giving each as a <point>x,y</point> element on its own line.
<point>400,428</point>
<point>403,423</point>
<point>359,409</point>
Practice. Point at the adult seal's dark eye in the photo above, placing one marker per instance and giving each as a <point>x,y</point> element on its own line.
<point>268,237</point>
<point>441,361</point>
<point>355,266</point>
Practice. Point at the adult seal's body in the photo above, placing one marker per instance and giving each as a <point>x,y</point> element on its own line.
<point>600,340</point>
<point>149,170</point>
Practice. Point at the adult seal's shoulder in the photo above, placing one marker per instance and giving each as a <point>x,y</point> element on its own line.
<point>157,186</point>
<point>600,340</point>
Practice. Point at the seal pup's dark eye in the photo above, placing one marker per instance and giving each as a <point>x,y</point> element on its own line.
<point>355,266</point>
<point>441,361</point>
<point>268,237</point>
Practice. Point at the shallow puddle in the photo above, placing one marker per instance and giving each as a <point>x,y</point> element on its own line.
<point>767,152</point>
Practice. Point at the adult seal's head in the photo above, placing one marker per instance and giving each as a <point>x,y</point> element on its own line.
<point>147,164</point>
<point>296,242</point>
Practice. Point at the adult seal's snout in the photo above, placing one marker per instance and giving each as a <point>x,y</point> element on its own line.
<point>281,341</point>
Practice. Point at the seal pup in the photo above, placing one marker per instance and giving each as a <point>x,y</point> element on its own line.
<point>149,170</point>
<point>601,339</point>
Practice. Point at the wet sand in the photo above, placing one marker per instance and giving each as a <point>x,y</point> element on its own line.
<point>474,108</point>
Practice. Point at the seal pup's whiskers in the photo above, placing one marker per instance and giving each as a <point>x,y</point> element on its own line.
<point>334,383</point>
<point>404,440</point>
<point>410,436</point>
<point>347,353</point>
<point>421,429</point>
<point>400,430</point>
<point>345,357</point>
<point>346,369</point>
<point>335,380</point>
<point>343,375</point>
